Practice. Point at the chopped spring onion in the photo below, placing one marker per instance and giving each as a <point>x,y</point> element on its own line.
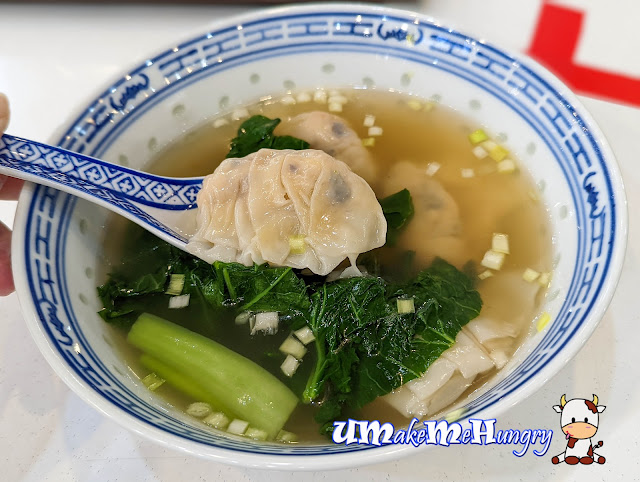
<point>217,420</point>
<point>220,122</point>
<point>320,97</point>
<point>507,166</point>
<point>544,279</point>
<point>467,173</point>
<point>303,97</point>
<point>429,106</point>
<point>243,317</point>
<point>238,427</point>
<point>152,381</point>
<point>414,104</point>
<point>455,415</point>
<point>239,114</point>
<point>305,335</point>
<point>533,195</point>
<point>337,98</point>
<point>498,153</point>
<point>530,275</point>
<point>479,152</point>
<point>500,243</point>
<point>177,302</point>
<point>369,142</point>
<point>176,283</point>
<point>199,409</point>
<point>375,131</point>
<point>406,305</point>
<point>432,168</point>
<point>493,260</point>
<point>297,244</point>
<point>293,347</point>
<point>476,137</point>
<point>256,434</point>
<point>266,322</point>
<point>289,365</point>
<point>335,107</point>
<point>285,436</point>
<point>485,274</point>
<point>489,145</point>
<point>288,100</point>
<point>369,120</point>
<point>543,321</point>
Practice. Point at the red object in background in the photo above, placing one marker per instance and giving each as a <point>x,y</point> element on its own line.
<point>554,45</point>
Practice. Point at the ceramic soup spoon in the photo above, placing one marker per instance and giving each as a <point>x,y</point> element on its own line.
<point>154,202</point>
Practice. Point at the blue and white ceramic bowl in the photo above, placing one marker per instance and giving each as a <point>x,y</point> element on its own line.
<point>58,239</point>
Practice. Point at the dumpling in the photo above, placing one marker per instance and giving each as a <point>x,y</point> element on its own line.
<point>435,230</point>
<point>332,135</point>
<point>302,209</point>
<point>486,342</point>
<point>445,380</point>
<point>500,324</point>
<point>406,402</point>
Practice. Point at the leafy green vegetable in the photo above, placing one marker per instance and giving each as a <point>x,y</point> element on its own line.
<point>128,292</point>
<point>145,276</point>
<point>257,133</point>
<point>363,347</point>
<point>265,288</point>
<point>366,349</point>
<point>398,210</point>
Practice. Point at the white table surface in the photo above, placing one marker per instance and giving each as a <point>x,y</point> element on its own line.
<point>53,58</point>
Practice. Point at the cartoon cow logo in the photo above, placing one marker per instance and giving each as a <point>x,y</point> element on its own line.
<point>579,422</point>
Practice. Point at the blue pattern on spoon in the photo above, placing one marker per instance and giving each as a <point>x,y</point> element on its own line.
<point>136,195</point>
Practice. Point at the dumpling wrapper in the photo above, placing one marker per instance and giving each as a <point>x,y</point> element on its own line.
<point>499,324</point>
<point>333,135</point>
<point>406,402</point>
<point>436,228</point>
<point>250,208</point>
<point>484,343</point>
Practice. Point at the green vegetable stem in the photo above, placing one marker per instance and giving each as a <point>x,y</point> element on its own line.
<point>232,382</point>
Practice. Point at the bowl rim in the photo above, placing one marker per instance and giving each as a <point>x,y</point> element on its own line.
<point>338,460</point>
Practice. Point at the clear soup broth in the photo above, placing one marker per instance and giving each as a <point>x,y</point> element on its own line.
<point>491,191</point>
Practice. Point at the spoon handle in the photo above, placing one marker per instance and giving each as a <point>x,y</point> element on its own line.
<point>139,196</point>
<point>72,172</point>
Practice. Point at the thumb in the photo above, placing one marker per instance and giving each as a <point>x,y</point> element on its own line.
<point>6,276</point>
<point>4,113</point>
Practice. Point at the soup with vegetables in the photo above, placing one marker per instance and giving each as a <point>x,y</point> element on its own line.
<point>357,254</point>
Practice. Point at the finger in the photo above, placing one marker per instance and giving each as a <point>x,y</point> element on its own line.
<point>10,188</point>
<point>6,276</point>
<point>4,113</point>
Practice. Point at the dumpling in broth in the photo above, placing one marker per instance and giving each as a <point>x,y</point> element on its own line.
<point>486,342</point>
<point>302,209</point>
<point>436,229</point>
<point>333,135</point>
